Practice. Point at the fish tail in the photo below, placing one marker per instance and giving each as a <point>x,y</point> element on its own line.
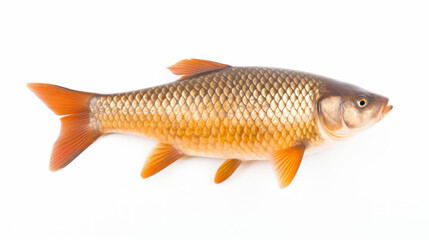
<point>77,131</point>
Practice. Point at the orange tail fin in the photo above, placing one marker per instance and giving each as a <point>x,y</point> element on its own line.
<point>77,133</point>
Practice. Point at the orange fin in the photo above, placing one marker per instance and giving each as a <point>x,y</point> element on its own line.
<point>61,100</point>
<point>162,156</point>
<point>189,67</point>
<point>286,163</point>
<point>77,133</point>
<point>226,170</point>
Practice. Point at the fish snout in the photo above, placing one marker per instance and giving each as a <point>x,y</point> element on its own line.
<point>384,110</point>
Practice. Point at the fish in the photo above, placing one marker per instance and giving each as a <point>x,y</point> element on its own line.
<point>219,111</point>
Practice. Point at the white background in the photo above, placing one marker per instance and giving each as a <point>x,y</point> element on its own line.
<point>373,186</point>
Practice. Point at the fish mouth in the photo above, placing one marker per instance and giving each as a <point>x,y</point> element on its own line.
<point>385,109</point>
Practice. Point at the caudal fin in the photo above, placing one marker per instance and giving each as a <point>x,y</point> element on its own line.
<point>77,133</point>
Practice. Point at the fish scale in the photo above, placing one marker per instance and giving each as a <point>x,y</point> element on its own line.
<point>237,112</point>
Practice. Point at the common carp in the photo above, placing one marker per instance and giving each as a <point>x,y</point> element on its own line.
<point>219,111</point>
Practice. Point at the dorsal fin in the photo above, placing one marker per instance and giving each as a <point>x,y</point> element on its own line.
<point>189,67</point>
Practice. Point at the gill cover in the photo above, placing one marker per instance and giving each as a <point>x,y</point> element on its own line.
<point>330,112</point>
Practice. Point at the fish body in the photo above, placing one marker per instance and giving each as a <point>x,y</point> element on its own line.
<point>237,112</point>
<point>216,110</point>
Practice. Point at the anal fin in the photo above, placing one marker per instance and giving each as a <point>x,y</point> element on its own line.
<point>286,163</point>
<point>226,170</point>
<point>161,157</point>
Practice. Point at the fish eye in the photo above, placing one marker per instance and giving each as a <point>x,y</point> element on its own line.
<point>362,102</point>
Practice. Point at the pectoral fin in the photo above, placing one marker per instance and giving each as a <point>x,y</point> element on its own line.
<point>160,157</point>
<point>226,170</point>
<point>286,163</point>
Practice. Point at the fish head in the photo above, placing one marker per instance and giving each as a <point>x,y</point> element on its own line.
<point>346,109</point>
